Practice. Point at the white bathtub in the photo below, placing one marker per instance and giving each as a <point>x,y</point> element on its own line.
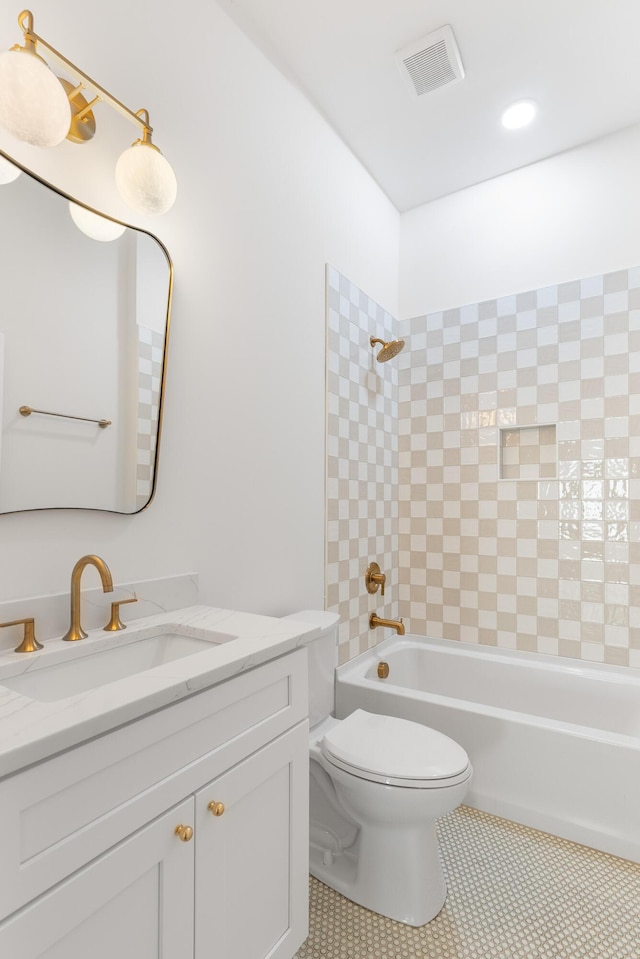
<point>555,743</point>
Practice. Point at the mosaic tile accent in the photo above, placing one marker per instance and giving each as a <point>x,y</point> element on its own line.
<point>544,565</point>
<point>513,893</point>
<point>150,359</point>
<point>362,463</point>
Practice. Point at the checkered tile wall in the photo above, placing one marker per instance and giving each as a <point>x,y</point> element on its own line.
<point>362,463</point>
<point>492,469</point>
<point>545,558</point>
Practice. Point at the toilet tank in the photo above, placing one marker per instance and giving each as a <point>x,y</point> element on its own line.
<point>323,659</point>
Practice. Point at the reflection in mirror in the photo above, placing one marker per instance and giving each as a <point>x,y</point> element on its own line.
<point>83,333</point>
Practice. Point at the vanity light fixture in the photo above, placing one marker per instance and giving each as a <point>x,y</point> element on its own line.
<point>40,108</point>
<point>93,225</point>
<point>8,171</point>
<point>519,115</point>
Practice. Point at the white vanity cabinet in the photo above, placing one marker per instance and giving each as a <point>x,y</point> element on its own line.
<point>133,902</point>
<point>91,864</point>
<point>251,893</point>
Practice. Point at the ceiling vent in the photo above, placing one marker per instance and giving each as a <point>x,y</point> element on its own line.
<point>432,62</point>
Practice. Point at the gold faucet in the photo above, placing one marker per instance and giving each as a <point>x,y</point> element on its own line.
<point>75,630</point>
<point>29,642</point>
<point>398,625</point>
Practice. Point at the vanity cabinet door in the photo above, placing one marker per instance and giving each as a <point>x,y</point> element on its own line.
<point>252,855</point>
<point>134,901</point>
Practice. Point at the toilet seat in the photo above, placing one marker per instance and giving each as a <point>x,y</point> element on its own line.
<point>396,752</point>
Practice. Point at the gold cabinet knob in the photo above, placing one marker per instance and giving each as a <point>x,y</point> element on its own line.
<point>217,808</point>
<point>185,833</point>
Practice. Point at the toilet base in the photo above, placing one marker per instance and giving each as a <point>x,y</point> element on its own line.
<point>411,887</point>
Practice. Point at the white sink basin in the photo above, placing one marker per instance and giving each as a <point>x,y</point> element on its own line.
<point>59,680</point>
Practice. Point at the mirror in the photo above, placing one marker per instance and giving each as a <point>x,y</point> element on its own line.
<point>83,342</point>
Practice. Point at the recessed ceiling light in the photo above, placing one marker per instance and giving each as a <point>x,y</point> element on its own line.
<point>519,115</point>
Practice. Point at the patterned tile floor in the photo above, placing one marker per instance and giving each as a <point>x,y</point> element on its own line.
<point>514,893</point>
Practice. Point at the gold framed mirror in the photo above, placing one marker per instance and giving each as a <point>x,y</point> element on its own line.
<point>84,328</point>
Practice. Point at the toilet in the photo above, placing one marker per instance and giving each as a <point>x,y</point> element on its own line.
<point>377,785</point>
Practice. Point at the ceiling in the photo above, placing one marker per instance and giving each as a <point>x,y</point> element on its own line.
<point>577,58</point>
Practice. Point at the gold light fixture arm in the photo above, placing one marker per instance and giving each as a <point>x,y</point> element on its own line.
<point>33,40</point>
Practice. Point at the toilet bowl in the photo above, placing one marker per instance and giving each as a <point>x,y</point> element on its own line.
<point>384,781</point>
<point>377,786</point>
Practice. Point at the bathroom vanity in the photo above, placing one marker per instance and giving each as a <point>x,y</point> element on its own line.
<point>164,813</point>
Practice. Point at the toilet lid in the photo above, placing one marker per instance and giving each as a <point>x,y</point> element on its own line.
<point>390,749</point>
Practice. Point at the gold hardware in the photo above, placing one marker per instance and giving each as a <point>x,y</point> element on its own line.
<point>184,833</point>
<point>29,643</point>
<point>160,189</point>
<point>374,579</point>
<point>217,808</point>
<point>25,22</point>
<point>83,122</point>
<point>75,630</point>
<point>398,625</point>
<point>28,410</point>
<point>389,350</point>
<point>115,623</point>
<point>383,670</point>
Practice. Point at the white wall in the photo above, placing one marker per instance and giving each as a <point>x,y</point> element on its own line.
<point>267,195</point>
<point>572,216</point>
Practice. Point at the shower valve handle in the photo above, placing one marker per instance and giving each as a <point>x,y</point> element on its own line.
<point>374,579</point>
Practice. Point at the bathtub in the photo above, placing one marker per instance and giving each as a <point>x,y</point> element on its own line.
<point>554,742</point>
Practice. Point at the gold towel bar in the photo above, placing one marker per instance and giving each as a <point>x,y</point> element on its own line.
<point>28,410</point>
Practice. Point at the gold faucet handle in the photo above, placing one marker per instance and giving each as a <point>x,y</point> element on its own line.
<point>29,642</point>
<point>374,579</point>
<point>115,623</point>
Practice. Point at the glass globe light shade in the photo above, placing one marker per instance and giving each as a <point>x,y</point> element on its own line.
<point>95,226</point>
<point>8,171</point>
<point>145,179</point>
<point>33,104</point>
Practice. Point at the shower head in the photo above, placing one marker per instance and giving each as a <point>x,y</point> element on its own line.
<point>389,350</point>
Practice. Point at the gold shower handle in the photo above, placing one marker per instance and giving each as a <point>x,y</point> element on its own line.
<point>374,579</point>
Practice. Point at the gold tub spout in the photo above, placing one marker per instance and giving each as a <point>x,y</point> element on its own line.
<point>75,630</point>
<point>398,625</point>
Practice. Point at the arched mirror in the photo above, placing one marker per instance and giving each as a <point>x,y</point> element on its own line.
<point>84,324</point>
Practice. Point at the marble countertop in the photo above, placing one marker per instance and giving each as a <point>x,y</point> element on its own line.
<point>32,730</point>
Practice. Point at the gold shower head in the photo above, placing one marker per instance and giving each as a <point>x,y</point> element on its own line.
<point>389,350</point>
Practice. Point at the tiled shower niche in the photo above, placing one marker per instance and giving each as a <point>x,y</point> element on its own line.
<point>544,558</point>
<point>528,452</point>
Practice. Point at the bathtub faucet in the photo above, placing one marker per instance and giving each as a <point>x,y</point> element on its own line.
<point>375,620</point>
